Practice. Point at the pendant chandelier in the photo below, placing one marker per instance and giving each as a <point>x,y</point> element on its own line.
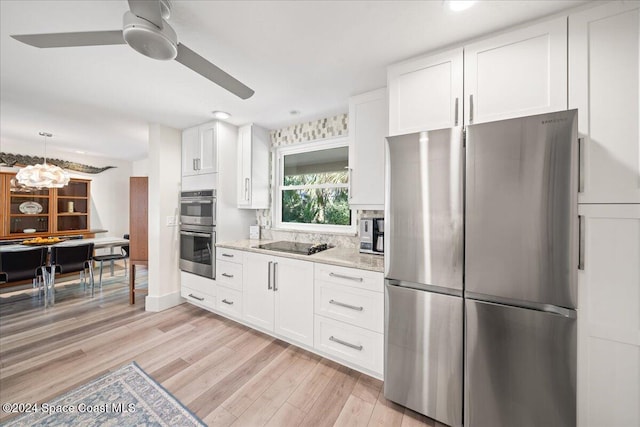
<point>43,175</point>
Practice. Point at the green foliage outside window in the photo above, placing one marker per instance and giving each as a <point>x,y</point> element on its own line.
<point>316,205</point>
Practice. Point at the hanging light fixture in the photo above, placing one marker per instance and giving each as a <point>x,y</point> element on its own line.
<point>43,175</point>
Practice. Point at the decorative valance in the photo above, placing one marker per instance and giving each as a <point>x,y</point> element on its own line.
<point>21,160</point>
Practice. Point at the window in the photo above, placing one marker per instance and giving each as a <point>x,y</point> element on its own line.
<point>312,191</point>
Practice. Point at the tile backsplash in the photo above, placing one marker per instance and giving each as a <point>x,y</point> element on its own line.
<point>329,127</point>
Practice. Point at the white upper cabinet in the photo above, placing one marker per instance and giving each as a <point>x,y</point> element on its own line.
<point>609,316</point>
<point>425,93</point>
<point>253,167</point>
<point>367,132</point>
<point>604,65</point>
<point>199,150</point>
<point>519,73</point>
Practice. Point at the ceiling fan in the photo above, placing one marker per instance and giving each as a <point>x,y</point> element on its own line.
<point>146,30</point>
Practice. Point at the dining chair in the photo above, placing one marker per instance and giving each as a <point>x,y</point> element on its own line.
<point>24,264</point>
<point>70,259</point>
<point>123,255</point>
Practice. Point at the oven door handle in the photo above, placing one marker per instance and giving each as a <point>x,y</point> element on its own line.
<point>202,202</point>
<point>191,233</point>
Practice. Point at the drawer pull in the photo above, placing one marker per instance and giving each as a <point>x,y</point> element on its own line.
<point>341,304</point>
<point>228,255</point>
<point>348,344</point>
<point>227,302</point>
<point>230,276</point>
<point>195,297</point>
<point>342,276</point>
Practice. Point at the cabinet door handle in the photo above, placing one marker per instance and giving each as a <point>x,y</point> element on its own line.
<point>195,167</point>
<point>471,109</point>
<point>227,302</point>
<point>230,276</point>
<point>269,287</point>
<point>580,165</point>
<point>342,276</point>
<point>227,255</point>
<point>246,189</point>
<point>195,297</point>
<point>456,114</point>
<point>275,278</point>
<point>581,242</point>
<point>349,173</point>
<point>347,344</point>
<point>341,304</point>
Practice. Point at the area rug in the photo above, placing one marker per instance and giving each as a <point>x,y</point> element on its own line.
<point>126,397</point>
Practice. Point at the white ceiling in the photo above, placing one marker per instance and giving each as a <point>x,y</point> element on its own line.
<point>297,55</point>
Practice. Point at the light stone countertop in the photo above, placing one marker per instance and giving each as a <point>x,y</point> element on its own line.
<point>345,257</point>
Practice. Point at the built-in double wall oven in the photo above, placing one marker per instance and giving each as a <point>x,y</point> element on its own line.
<point>198,232</point>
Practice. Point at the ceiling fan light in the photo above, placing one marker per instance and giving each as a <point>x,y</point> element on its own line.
<point>222,115</point>
<point>149,40</point>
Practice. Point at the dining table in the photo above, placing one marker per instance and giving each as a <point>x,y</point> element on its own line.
<point>98,243</point>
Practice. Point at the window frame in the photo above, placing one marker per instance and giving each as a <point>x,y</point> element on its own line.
<point>278,187</point>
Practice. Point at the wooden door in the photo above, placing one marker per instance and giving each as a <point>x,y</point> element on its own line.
<point>138,217</point>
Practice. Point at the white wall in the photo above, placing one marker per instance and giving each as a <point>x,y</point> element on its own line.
<point>141,167</point>
<point>164,186</point>
<point>108,188</point>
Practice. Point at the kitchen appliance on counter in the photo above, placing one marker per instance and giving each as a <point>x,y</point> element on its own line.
<point>518,305</point>
<point>294,247</point>
<point>423,265</point>
<point>198,207</point>
<point>372,236</point>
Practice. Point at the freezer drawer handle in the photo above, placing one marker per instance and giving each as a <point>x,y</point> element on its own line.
<point>348,344</point>
<point>230,276</point>
<point>227,302</point>
<point>228,255</point>
<point>341,304</point>
<point>342,276</point>
<point>195,297</point>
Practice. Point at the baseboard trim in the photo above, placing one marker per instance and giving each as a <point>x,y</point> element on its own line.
<point>163,302</point>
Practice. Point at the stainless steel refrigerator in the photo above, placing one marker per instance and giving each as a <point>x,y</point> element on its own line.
<point>424,264</point>
<point>516,183</point>
<point>521,261</point>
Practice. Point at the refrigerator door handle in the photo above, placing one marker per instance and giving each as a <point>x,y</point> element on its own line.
<point>545,308</point>
<point>471,109</point>
<point>581,242</point>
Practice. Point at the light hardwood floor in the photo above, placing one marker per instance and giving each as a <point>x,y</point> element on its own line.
<point>224,372</point>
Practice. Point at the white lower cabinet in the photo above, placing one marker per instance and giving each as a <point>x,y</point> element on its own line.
<point>609,317</point>
<point>229,301</point>
<point>278,296</point>
<point>198,290</point>
<point>355,345</point>
<point>349,321</point>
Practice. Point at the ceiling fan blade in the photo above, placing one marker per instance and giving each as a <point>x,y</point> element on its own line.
<point>197,63</point>
<point>148,10</point>
<point>88,38</point>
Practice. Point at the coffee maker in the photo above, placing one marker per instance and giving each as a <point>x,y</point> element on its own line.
<point>372,236</point>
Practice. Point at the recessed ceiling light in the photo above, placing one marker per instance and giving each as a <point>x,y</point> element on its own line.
<point>80,152</point>
<point>221,115</point>
<point>460,5</point>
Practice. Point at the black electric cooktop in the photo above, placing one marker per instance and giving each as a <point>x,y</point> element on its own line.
<point>294,247</point>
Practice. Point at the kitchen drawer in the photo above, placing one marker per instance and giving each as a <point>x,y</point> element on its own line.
<point>229,274</point>
<point>358,307</point>
<point>350,343</point>
<point>230,301</point>
<point>199,284</point>
<point>365,279</point>
<point>198,298</point>
<point>231,255</point>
